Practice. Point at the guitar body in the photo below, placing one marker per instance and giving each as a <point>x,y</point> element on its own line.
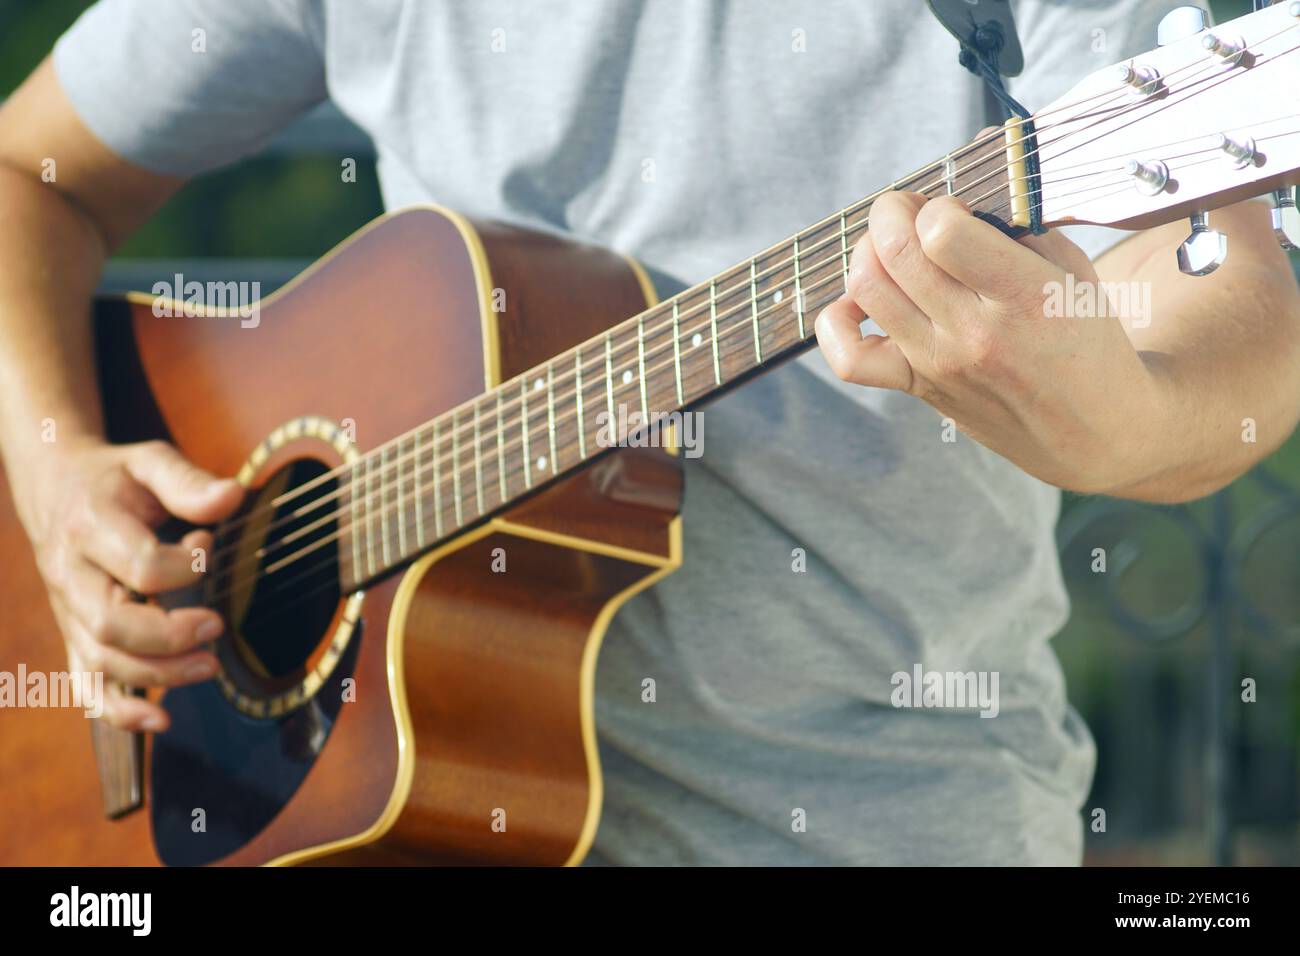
<point>456,725</point>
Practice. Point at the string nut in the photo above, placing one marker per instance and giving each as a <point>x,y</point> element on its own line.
<point>1149,178</point>
<point>1229,52</point>
<point>1242,154</point>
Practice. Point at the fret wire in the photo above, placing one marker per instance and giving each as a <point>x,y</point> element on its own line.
<point>455,465</point>
<point>753,309</point>
<point>478,462</point>
<point>550,417</point>
<point>677,352</point>
<point>609,385</point>
<point>370,529</point>
<point>383,514</point>
<point>501,449</point>
<point>437,483</point>
<point>577,374</point>
<point>419,493</point>
<point>844,250</point>
<point>401,507</point>
<point>356,538</point>
<point>640,351</point>
<point>713,324</point>
<point>523,393</point>
<point>798,291</point>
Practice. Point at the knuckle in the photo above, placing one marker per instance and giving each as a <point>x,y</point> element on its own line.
<point>101,629</point>
<point>835,359</point>
<point>896,247</point>
<point>984,350</point>
<point>52,563</point>
<point>115,715</point>
<point>838,361</point>
<point>80,521</point>
<point>938,226</point>
<point>155,447</point>
<point>864,271</point>
<point>93,658</point>
<point>146,567</point>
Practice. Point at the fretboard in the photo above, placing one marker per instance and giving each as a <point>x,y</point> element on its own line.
<point>477,459</point>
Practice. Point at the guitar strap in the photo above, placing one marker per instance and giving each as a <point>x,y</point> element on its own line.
<point>990,48</point>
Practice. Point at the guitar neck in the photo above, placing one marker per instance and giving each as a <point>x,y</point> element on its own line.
<point>543,424</point>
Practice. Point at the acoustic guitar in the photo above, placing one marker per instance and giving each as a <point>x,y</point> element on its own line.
<point>418,582</point>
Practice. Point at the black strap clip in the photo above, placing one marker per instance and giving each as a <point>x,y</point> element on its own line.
<point>990,48</point>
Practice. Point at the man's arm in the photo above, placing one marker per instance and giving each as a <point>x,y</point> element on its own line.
<point>1093,404</point>
<point>1225,349</point>
<point>89,508</point>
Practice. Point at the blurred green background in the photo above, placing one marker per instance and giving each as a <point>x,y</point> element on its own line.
<point>1187,772</point>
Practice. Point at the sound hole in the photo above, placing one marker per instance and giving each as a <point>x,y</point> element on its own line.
<point>278,616</point>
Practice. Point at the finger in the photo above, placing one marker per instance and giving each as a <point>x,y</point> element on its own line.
<point>142,629</point>
<point>873,290</point>
<point>979,256</point>
<point>182,487</point>
<point>119,708</point>
<point>898,247</point>
<point>128,712</point>
<point>873,360</point>
<point>136,671</point>
<point>1060,251</point>
<point>122,545</point>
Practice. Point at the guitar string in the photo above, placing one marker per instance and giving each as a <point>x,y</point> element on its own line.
<point>384,467</point>
<point>406,520</point>
<point>623,345</point>
<point>1201,65</point>
<point>419,492</point>
<point>741,288</point>
<point>996,134</point>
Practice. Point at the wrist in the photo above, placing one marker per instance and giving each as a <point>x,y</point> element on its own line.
<point>36,469</point>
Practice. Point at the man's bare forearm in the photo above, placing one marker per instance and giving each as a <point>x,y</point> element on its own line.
<point>50,259</point>
<point>1224,351</point>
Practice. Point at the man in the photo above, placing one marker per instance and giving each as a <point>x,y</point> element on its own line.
<point>692,135</point>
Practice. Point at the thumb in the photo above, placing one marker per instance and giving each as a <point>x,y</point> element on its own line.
<point>183,488</point>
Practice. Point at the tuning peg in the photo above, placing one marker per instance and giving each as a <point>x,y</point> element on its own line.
<point>1204,250</point>
<point>1181,23</point>
<point>1286,219</point>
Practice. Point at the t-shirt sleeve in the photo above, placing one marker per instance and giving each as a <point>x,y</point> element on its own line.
<point>184,86</point>
<point>1064,41</point>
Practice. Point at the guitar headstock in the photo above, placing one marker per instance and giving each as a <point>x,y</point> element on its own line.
<point>1202,121</point>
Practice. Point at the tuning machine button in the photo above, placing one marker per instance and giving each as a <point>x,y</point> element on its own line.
<point>1204,250</point>
<point>1286,218</point>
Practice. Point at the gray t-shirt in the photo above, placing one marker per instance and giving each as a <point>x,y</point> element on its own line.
<point>771,738</point>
